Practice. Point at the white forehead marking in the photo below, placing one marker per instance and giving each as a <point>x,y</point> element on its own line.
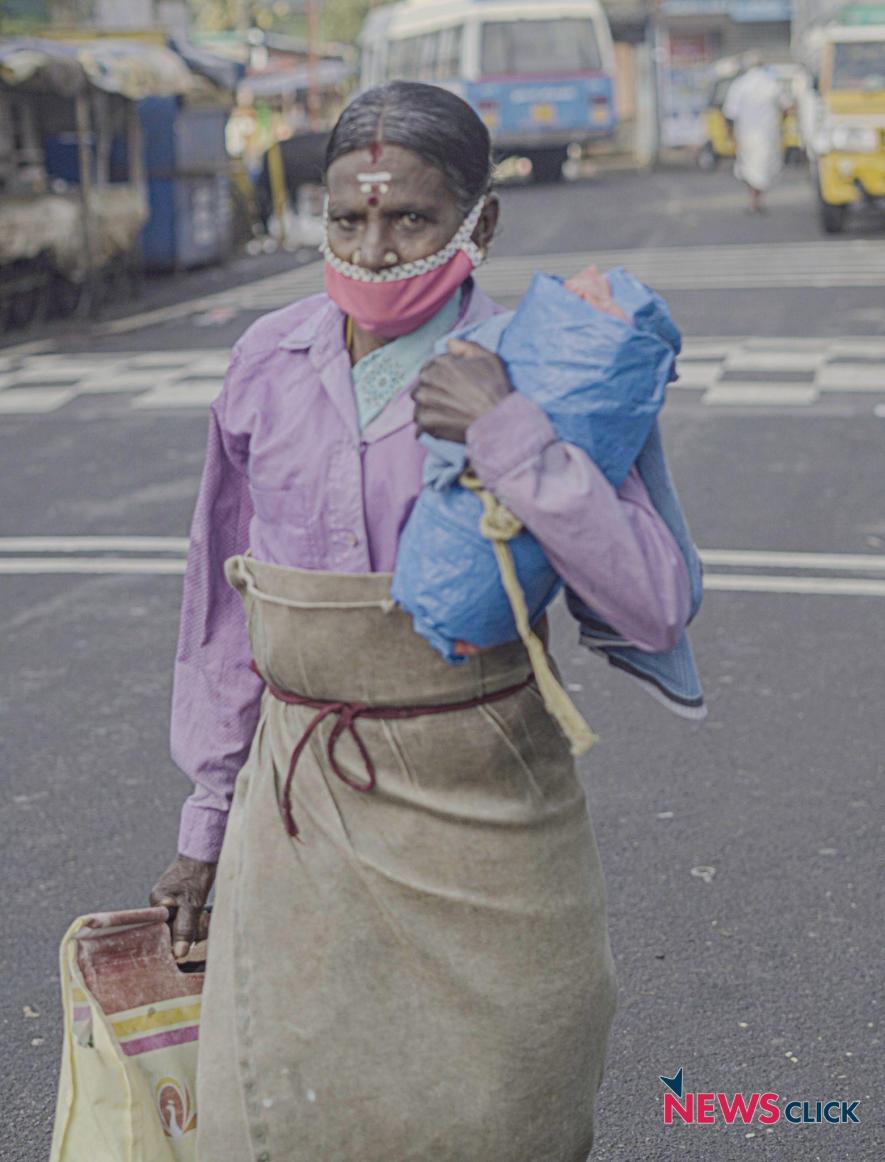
<point>374,178</point>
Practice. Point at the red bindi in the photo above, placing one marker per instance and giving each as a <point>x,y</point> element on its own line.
<point>373,201</point>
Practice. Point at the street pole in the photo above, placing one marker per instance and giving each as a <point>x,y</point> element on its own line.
<point>658,33</point>
<point>89,302</point>
<point>313,36</point>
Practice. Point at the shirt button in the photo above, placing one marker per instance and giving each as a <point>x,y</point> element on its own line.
<point>350,538</point>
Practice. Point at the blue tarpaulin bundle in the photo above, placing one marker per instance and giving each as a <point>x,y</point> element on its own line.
<point>602,383</point>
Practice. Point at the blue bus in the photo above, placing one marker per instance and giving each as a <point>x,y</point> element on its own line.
<point>540,75</point>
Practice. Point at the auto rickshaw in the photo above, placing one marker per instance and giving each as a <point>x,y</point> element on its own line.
<point>848,142</point>
<point>719,142</point>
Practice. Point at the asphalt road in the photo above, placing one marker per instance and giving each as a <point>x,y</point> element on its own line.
<point>740,853</point>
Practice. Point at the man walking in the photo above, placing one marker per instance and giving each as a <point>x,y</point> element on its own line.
<point>755,107</point>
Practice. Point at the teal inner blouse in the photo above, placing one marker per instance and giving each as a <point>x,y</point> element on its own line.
<point>382,374</point>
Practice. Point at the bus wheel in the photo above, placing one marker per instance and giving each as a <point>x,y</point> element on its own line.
<point>707,159</point>
<point>832,218</point>
<point>547,164</point>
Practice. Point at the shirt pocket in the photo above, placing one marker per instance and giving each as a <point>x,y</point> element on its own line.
<point>294,539</point>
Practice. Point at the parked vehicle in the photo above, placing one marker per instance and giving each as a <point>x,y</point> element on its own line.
<point>540,75</point>
<point>844,117</point>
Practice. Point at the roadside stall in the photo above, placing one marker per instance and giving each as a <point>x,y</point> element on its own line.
<point>64,224</point>
<point>181,113</point>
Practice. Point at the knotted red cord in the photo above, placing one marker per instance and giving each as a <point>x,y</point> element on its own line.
<point>347,715</point>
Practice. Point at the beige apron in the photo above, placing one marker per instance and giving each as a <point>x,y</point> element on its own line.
<point>424,973</point>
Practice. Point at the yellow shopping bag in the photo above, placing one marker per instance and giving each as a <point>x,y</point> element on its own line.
<point>128,1074</point>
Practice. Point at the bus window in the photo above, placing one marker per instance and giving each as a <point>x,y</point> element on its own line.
<point>519,47</point>
<point>429,52</point>
<point>448,63</point>
<point>404,59</point>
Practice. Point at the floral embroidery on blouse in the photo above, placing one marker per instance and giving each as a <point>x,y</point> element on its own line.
<point>382,374</point>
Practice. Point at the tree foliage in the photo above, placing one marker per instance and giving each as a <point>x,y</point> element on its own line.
<point>342,19</point>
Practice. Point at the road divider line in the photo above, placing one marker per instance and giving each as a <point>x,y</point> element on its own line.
<point>44,558</point>
<point>803,586</point>
<point>170,566</point>
<point>749,558</point>
<point>96,544</point>
<point>764,394</point>
<point>850,562</point>
<point>175,567</point>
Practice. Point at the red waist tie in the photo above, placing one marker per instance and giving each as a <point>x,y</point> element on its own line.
<point>347,715</point>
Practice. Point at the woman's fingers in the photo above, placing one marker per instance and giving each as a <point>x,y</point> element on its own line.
<point>464,349</point>
<point>184,929</point>
<point>184,888</point>
<point>465,650</point>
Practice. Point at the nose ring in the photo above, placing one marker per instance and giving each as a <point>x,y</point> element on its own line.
<point>391,258</point>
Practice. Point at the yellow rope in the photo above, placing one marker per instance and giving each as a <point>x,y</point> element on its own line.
<point>499,526</point>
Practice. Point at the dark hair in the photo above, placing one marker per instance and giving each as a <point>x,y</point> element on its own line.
<point>430,121</point>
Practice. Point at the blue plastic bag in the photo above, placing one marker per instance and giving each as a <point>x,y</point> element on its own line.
<point>602,383</point>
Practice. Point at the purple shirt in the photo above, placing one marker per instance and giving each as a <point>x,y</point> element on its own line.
<point>289,474</point>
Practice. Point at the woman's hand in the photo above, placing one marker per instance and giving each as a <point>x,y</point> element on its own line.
<point>456,389</point>
<point>183,888</point>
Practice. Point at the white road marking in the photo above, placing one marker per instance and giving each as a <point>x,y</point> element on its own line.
<point>852,562</point>
<point>879,411</point>
<point>89,544</point>
<point>728,266</point>
<point>39,373</point>
<point>769,360</point>
<point>171,567</point>
<point>30,401</point>
<point>801,343</point>
<point>144,565</point>
<point>782,394</point>
<point>167,382</point>
<point>804,586</point>
<point>707,349</point>
<point>871,346</point>
<point>181,395</point>
<point>174,566</point>
<point>108,383</point>
<point>697,374</point>
<point>852,377</point>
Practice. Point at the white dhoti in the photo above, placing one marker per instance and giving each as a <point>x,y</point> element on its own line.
<point>759,158</point>
<point>756,106</point>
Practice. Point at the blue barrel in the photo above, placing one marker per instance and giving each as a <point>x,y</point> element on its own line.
<point>188,185</point>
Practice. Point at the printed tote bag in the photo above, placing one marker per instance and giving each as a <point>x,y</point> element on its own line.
<point>131,1022</point>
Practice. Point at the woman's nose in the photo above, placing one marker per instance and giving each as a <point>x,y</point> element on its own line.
<point>375,248</point>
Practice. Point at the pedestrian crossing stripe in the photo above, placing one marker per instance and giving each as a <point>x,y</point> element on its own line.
<point>725,372</point>
<point>735,266</point>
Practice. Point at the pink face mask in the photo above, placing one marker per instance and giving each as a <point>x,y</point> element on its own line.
<point>400,299</point>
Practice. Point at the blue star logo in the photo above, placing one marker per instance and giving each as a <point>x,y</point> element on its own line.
<point>674,1083</point>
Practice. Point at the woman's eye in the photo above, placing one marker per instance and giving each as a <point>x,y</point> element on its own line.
<point>345,223</point>
<point>413,219</point>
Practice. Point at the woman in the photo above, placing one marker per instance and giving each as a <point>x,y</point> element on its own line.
<point>420,971</point>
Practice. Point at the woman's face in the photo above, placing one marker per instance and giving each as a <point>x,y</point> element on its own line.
<point>387,205</point>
